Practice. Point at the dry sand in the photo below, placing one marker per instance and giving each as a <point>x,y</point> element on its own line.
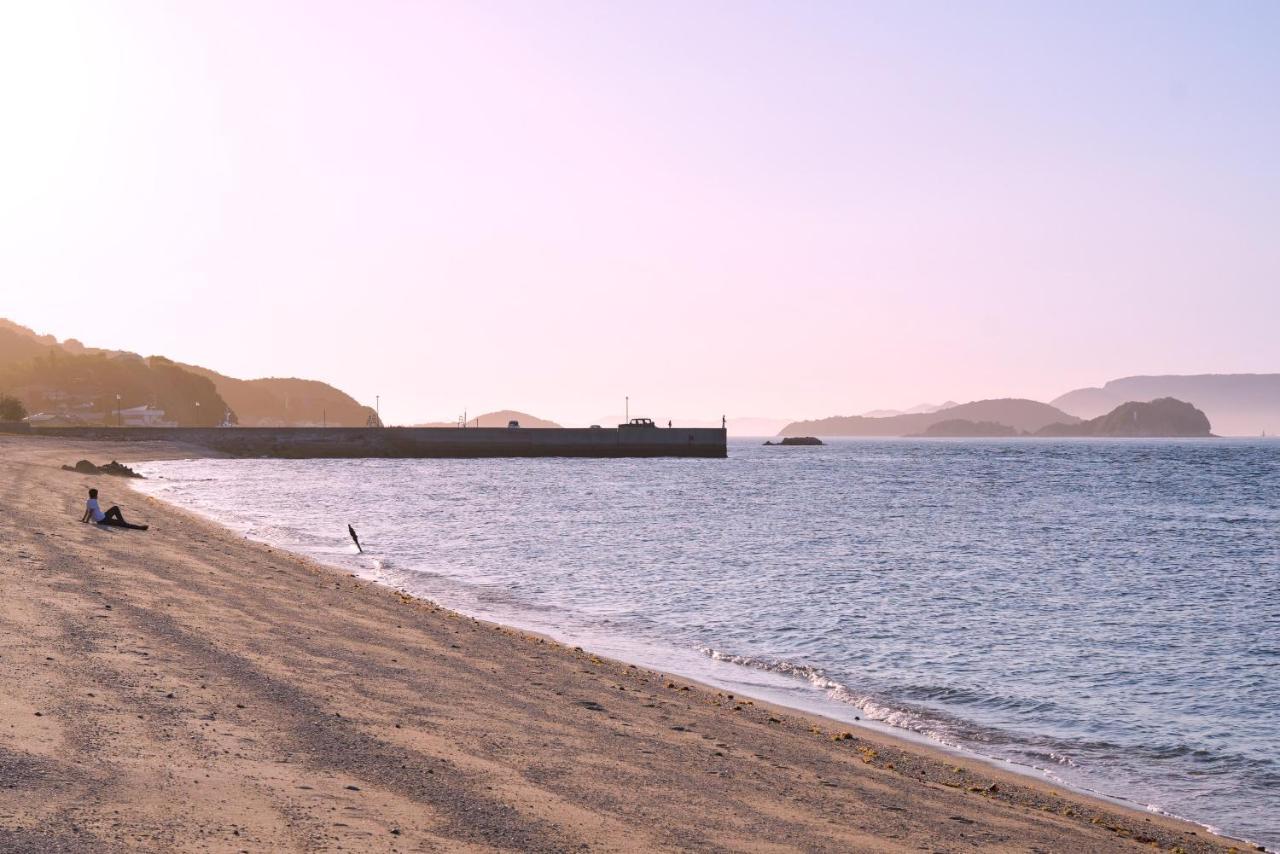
<point>187,690</point>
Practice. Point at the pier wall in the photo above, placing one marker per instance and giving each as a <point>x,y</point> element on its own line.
<point>414,442</point>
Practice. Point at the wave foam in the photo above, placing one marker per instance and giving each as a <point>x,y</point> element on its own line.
<point>872,708</point>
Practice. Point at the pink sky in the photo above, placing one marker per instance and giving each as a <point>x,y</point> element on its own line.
<point>788,210</point>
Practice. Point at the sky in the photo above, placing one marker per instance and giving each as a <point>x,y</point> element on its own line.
<point>754,209</point>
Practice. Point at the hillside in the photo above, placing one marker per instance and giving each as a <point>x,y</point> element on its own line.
<point>1019,414</point>
<point>90,388</point>
<point>1162,418</point>
<point>18,341</point>
<point>287,402</point>
<point>18,344</point>
<point>1236,404</point>
<point>498,419</point>
<point>915,410</point>
<point>81,384</point>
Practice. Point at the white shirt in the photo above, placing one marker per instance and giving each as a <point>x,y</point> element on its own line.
<point>95,512</point>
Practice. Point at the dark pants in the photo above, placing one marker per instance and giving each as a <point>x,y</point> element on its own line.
<point>115,518</point>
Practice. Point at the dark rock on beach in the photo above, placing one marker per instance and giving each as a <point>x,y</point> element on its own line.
<point>111,468</point>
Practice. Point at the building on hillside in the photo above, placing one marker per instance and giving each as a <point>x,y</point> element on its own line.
<point>143,416</point>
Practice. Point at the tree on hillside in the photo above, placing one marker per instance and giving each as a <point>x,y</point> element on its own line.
<point>11,409</point>
<point>103,384</point>
<point>187,398</point>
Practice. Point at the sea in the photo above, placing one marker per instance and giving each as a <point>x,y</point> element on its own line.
<point>1102,613</point>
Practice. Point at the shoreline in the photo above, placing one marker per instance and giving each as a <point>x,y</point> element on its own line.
<point>836,713</point>
<point>544,747</point>
<point>822,707</point>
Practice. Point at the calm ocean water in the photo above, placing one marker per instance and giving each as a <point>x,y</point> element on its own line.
<point>1103,612</point>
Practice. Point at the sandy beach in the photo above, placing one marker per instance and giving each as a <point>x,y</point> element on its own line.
<point>184,689</point>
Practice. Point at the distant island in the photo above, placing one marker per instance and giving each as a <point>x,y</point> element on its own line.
<point>1166,417</point>
<point>797,440</point>
<point>1026,416</point>
<point>923,408</point>
<point>1237,404</point>
<point>1163,418</point>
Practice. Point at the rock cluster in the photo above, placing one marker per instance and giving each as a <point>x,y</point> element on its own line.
<point>112,468</point>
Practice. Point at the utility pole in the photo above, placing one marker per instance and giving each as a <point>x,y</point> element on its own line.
<point>627,410</point>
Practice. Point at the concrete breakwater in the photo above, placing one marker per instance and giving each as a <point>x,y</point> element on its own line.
<point>413,442</point>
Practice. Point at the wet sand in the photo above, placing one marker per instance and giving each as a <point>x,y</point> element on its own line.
<point>185,689</point>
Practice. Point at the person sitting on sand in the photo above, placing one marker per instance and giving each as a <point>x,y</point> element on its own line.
<point>113,517</point>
